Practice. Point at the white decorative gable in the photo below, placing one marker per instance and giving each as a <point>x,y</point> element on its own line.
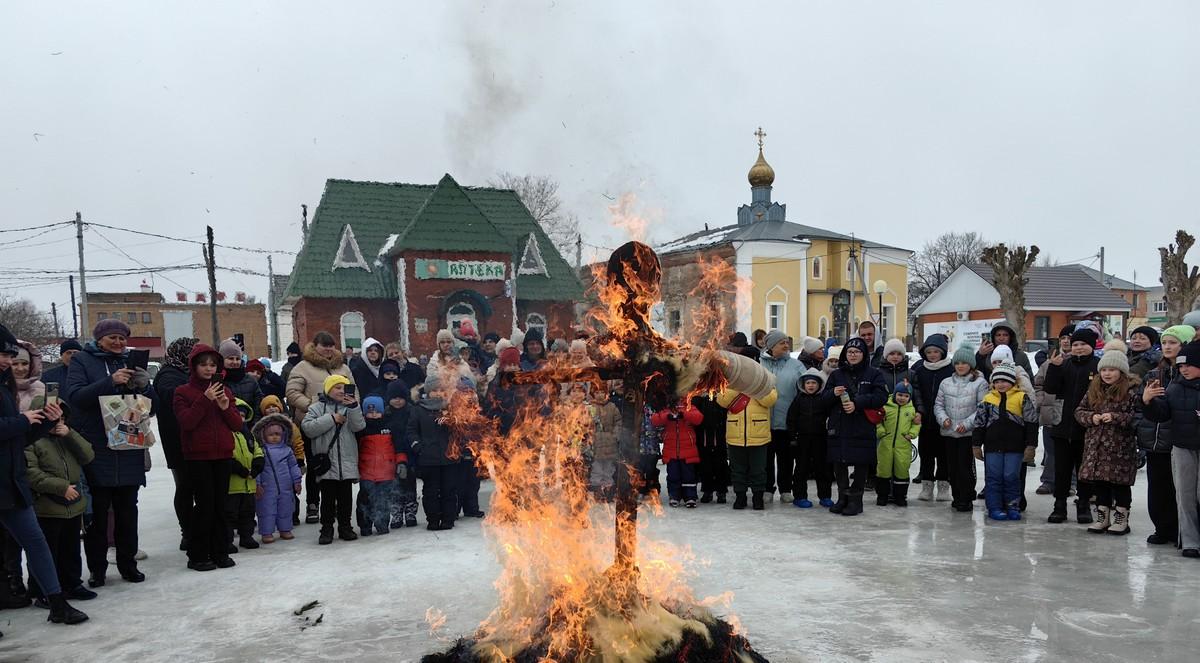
<point>531,259</point>
<point>348,254</point>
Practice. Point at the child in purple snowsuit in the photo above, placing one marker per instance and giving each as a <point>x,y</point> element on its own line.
<point>280,479</point>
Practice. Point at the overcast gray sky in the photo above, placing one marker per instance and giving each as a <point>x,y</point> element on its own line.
<point>1068,124</point>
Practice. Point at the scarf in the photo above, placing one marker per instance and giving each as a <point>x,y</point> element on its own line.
<point>937,365</point>
<point>178,351</point>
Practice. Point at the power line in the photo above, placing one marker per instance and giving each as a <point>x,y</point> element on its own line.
<point>122,252</point>
<point>48,225</point>
<point>189,241</point>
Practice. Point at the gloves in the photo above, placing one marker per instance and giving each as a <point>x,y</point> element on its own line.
<point>674,416</point>
<point>140,380</point>
<point>257,466</point>
<point>240,470</point>
<point>978,451</point>
<point>1028,458</point>
<point>402,471</point>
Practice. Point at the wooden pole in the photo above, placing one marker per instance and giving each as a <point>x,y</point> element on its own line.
<point>211,263</point>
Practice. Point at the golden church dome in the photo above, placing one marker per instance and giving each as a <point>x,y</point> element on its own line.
<point>761,173</point>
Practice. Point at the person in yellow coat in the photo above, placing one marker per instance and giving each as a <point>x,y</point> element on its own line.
<point>747,434</point>
<point>894,454</point>
<point>248,462</point>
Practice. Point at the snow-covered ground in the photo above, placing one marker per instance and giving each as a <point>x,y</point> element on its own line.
<point>918,584</point>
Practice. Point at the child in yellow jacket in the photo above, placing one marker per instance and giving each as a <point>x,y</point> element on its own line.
<point>894,454</point>
<point>747,434</point>
<point>248,463</point>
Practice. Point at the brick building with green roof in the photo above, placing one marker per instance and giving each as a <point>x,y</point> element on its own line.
<point>398,262</point>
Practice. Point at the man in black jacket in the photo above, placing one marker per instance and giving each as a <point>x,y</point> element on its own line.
<point>66,351</point>
<point>1068,379</point>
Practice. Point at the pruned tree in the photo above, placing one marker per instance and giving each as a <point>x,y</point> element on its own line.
<point>1181,286</point>
<point>937,260</point>
<point>1009,267</point>
<point>539,193</point>
<point>28,323</point>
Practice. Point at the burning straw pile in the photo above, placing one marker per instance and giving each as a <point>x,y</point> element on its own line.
<point>574,587</point>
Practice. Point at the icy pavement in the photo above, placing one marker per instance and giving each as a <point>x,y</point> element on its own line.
<point>915,584</point>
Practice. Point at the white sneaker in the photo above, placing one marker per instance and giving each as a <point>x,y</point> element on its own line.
<point>926,491</point>
<point>785,498</point>
<point>140,555</point>
<point>943,491</point>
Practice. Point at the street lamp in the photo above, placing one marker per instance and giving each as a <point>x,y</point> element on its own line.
<point>880,287</point>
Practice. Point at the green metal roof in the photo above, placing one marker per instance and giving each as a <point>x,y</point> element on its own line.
<point>445,217</point>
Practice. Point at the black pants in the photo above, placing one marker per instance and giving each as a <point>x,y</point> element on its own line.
<point>312,490</point>
<point>961,467</point>
<point>714,463</point>
<point>780,463</point>
<point>1160,495</point>
<point>183,499</point>
<point>931,449</point>
<point>209,481</point>
<point>648,468</point>
<point>847,484</point>
<point>239,516</point>
<point>63,537</point>
<point>123,502</point>
<point>337,504</point>
<point>440,492</point>
<point>1110,494</point>
<point>10,550</point>
<point>811,454</point>
<point>468,492</point>
<point>1068,457</point>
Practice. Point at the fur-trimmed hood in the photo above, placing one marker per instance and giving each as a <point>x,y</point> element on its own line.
<point>317,359</point>
<point>260,427</point>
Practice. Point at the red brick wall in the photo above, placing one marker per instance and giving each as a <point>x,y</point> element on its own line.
<point>311,315</point>
<point>427,297</point>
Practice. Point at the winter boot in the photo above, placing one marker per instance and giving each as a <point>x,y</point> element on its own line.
<point>943,491</point>
<point>61,612</point>
<point>16,585</point>
<point>840,504</point>
<point>1014,513</point>
<point>225,563</point>
<point>1083,513</point>
<point>203,565</point>
<point>739,501</point>
<point>313,515</point>
<point>881,492</point>
<point>410,521</point>
<point>926,492</point>
<point>673,502</point>
<point>1157,539</point>
<point>785,498</point>
<point>691,504</point>
<point>826,502</point>
<point>1102,524</point>
<point>854,504</point>
<point>11,601</point>
<point>347,534</point>
<point>1059,514</point>
<point>757,501</point>
<point>721,498</point>
<point>248,543</point>
<point>1120,521</point>
<point>707,497</point>
<point>997,514</point>
<point>326,537</point>
<point>900,493</point>
<point>131,574</point>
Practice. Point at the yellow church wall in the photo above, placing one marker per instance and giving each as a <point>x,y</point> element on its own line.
<point>778,281</point>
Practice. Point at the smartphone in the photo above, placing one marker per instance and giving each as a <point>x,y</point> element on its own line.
<point>52,393</point>
<point>350,389</point>
<point>138,359</point>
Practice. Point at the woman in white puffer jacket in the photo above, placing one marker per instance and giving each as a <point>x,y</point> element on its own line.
<point>957,398</point>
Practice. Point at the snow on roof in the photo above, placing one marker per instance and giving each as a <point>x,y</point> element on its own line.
<point>697,240</point>
<point>389,244</point>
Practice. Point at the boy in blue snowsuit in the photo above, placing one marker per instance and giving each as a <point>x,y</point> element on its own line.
<point>280,479</point>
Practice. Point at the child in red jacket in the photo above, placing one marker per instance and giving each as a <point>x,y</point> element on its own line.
<point>377,459</point>
<point>679,450</point>
<point>207,420</point>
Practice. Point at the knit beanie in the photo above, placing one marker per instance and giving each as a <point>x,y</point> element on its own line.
<point>509,356</point>
<point>444,335</point>
<point>1066,331</point>
<point>1002,353</point>
<point>814,375</point>
<point>517,338</point>
<point>1148,332</point>
<point>389,366</point>
<point>965,354</point>
<point>773,337</point>
<point>1114,358</point>
<point>333,381</point>
<point>893,345</point>
<point>902,388</point>
<point>1085,336</point>
<point>1182,333</point>
<point>502,345</point>
<point>108,327</point>
<point>1006,371</point>
<point>372,403</point>
<point>466,329</point>
<point>810,345</point>
<point>560,345</point>
<point>293,348</point>
<point>255,365</point>
<point>491,336</point>
<point>68,345</point>
<point>1189,355</point>
<point>397,389</point>
<point>22,354</point>
<point>230,349</point>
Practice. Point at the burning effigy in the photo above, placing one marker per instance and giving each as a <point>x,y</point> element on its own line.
<point>576,585</point>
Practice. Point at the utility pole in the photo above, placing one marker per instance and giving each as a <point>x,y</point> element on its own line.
<point>74,309</point>
<point>1103,274</point>
<point>272,315</point>
<point>54,313</point>
<point>210,261</point>
<point>853,271</point>
<point>83,296</point>
<point>578,252</point>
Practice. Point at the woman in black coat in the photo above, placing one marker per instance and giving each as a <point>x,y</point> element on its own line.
<point>852,439</point>
<point>17,430</point>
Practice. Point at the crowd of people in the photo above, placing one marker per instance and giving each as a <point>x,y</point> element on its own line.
<point>244,445</point>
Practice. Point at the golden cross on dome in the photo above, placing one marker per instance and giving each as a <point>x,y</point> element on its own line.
<point>761,135</point>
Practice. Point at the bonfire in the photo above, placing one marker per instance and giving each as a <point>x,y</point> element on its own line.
<point>575,585</point>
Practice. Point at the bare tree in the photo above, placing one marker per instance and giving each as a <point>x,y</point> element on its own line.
<point>937,260</point>
<point>1181,286</point>
<point>539,193</point>
<point>1009,268</point>
<point>27,323</point>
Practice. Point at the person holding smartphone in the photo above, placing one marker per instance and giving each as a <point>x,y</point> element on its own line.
<point>114,477</point>
<point>1156,439</point>
<point>331,424</point>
